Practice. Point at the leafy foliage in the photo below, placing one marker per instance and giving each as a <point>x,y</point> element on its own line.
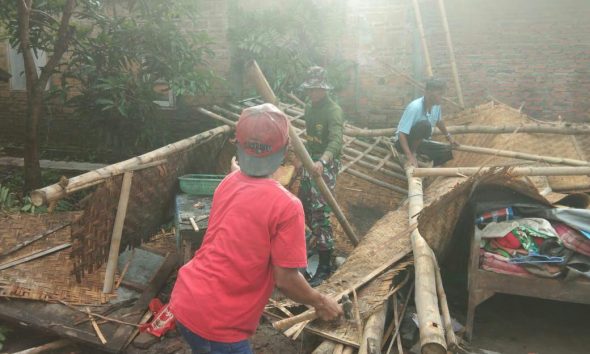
<point>119,52</point>
<point>118,61</point>
<point>286,40</point>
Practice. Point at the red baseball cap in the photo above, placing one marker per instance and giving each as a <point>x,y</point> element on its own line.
<point>262,133</point>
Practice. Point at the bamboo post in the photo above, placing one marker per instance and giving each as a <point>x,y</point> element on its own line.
<point>56,192</point>
<point>445,313</point>
<point>443,14</point>
<point>418,14</point>
<point>109,277</point>
<point>514,171</point>
<point>521,155</point>
<point>413,81</point>
<point>432,337</point>
<point>266,92</point>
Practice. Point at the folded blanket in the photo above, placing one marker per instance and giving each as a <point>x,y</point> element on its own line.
<point>498,264</point>
<point>573,239</point>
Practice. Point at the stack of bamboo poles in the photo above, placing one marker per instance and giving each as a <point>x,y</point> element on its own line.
<point>372,154</point>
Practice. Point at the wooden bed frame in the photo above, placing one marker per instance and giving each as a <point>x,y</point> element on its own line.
<point>483,284</point>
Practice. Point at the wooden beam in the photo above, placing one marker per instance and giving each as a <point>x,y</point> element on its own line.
<point>111,269</point>
<point>56,191</point>
<point>514,171</point>
<point>266,92</point>
<point>445,22</point>
<point>521,155</point>
<point>452,342</point>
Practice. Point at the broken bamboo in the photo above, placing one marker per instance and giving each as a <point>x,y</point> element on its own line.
<point>445,22</point>
<point>266,92</point>
<point>56,192</point>
<point>521,155</point>
<point>34,255</point>
<point>432,337</point>
<point>361,155</point>
<point>514,171</point>
<point>33,239</point>
<point>111,268</point>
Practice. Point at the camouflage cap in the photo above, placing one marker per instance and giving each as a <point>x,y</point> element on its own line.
<point>316,78</point>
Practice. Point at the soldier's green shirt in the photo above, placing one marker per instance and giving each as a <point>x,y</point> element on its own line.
<point>324,128</point>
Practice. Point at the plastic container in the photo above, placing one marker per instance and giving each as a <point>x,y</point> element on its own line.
<point>197,184</point>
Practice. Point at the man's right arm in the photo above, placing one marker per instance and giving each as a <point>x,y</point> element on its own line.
<point>294,285</point>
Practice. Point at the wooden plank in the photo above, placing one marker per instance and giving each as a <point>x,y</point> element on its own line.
<point>111,268</point>
<point>34,255</point>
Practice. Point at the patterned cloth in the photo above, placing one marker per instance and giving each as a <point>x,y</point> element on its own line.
<point>317,210</point>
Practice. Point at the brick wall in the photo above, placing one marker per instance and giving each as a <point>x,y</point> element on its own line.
<point>531,51</point>
<point>535,52</point>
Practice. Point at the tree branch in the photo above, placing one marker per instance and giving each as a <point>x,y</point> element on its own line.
<point>24,21</point>
<point>61,44</point>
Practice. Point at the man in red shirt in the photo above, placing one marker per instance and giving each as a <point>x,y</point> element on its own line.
<point>255,240</point>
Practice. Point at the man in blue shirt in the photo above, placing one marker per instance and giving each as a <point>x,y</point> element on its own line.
<point>417,124</point>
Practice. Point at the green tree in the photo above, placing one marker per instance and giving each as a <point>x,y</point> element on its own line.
<point>32,28</point>
<point>111,55</point>
<point>286,39</point>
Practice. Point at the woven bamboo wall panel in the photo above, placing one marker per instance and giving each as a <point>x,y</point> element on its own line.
<point>49,277</point>
<point>152,192</point>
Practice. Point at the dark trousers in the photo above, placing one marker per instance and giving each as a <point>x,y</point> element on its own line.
<point>439,153</point>
<point>200,345</point>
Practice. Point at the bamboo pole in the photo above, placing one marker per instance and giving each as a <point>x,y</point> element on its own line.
<point>577,129</point>
<point>432,337</point>
<point>414,82</point>
<point>514,171</point>
<point>266,92</point>
<point>443,14</point>
<point>521,155</point>
<point>376,168</point>
<point>361,155</point>
<point>373,332</point>
<point>46,347</point>
<point>380,183</point>
<point>55,191</point>
<point>452,343</point>
<point>418,14</point>
<point>111,269</point>
<point>326,347</point>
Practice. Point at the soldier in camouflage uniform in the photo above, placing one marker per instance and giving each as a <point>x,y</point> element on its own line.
<point>324,127</point>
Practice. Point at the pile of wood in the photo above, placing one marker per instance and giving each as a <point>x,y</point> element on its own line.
<point>371,272</point>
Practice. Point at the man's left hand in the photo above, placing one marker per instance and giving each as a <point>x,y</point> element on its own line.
<point>452,141</point>
<point>318,168</point>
